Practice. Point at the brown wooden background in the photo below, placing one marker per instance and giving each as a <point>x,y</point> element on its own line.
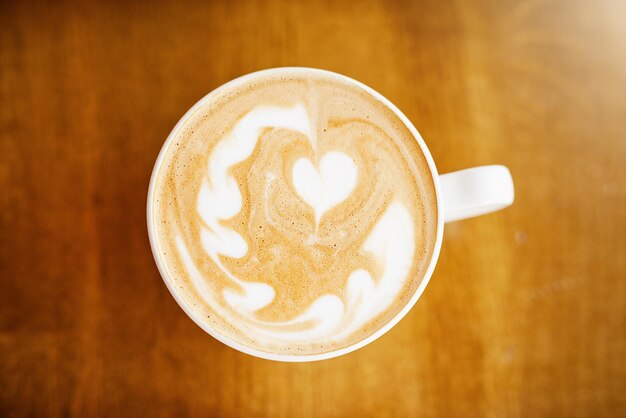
<point>526,313</point>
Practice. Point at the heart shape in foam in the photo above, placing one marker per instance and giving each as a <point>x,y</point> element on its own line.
<point>325,188</point>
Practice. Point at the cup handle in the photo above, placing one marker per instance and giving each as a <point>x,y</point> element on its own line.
<point>476,191</point>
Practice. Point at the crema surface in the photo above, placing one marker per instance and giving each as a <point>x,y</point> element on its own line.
<point>294,213</point>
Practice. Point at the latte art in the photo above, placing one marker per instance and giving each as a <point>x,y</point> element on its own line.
<point>295,214</point>
<point>327,187</point>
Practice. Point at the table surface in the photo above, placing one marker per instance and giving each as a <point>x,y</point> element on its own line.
<point>525,315</point>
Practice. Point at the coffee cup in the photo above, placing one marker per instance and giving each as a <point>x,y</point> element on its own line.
<point>322,189</point>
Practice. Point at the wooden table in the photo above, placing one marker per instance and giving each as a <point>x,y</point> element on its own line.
<point>526,313</point>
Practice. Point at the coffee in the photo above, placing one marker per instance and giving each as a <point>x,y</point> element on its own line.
<point>294,212</point>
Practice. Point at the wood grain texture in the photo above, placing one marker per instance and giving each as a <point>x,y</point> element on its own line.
<point>526,313</point>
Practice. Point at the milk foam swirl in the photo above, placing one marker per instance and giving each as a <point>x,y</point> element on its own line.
<point>295,215</point>
<point>329,316</point>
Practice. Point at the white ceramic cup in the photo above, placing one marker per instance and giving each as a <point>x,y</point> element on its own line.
<point>460,195</point>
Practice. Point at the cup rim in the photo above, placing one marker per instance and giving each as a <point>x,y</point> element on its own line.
<point>294,358</point>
